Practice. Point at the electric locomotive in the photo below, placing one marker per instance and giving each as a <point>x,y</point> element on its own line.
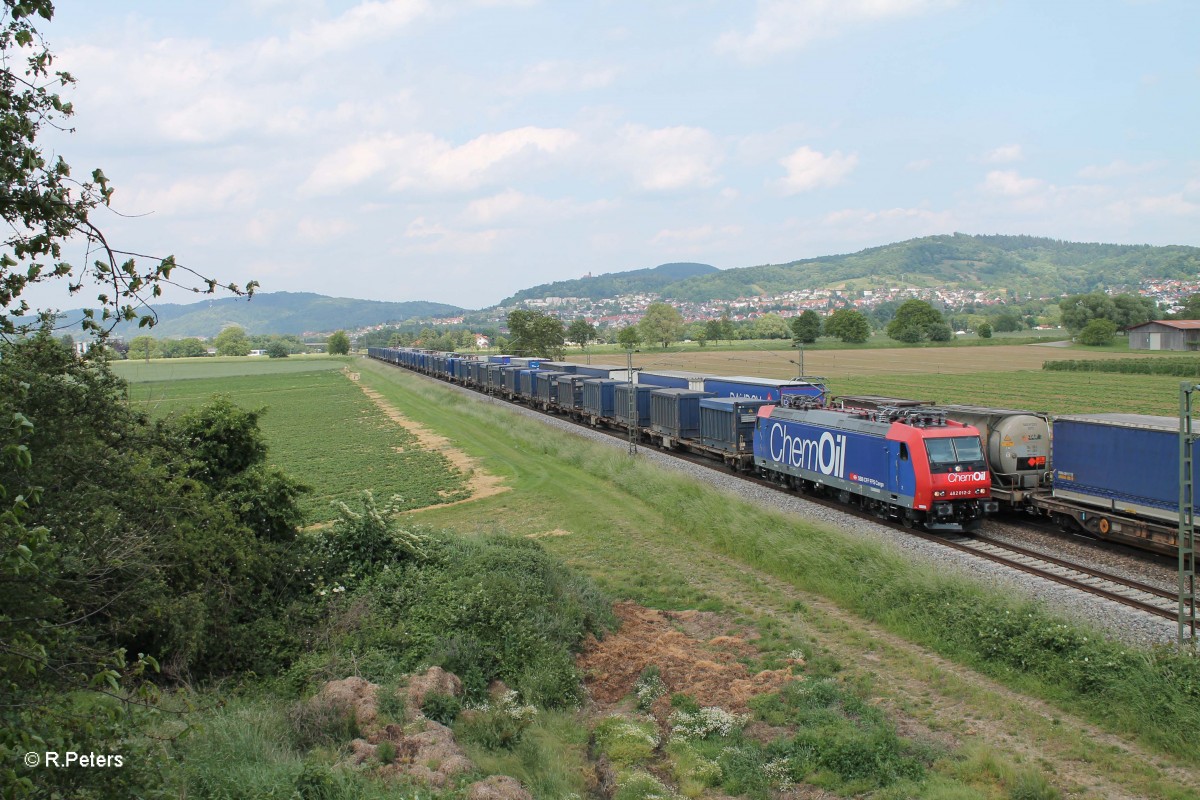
<point>908,464</point>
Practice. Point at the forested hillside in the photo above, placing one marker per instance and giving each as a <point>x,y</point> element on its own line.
<point>280,313</point>
<point>1024,264</point>
<point>611,284</point>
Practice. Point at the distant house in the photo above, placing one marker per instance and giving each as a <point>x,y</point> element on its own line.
<point>1165,334</point>
<point>482,342</point>
<point>258,352</point>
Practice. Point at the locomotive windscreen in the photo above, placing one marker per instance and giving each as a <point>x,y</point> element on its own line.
<point>955,454</point>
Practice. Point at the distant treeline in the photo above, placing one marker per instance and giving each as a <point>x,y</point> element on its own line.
<point>1186,367</point>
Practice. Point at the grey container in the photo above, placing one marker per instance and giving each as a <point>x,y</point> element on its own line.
<point>603,371</point>
<point>727,423</point>
<point>640,418</point>
<point>512,378</point>
<point>676,412</point>
<point>547,389</point>
<point>599,396</point>
<point>570,391</point>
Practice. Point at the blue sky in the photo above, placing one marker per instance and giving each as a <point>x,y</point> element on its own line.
<point>459,151</point>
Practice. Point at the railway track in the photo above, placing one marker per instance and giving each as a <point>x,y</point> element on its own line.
<point>1134,594</point>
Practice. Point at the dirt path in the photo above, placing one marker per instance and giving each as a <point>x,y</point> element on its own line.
<point>480,483</point>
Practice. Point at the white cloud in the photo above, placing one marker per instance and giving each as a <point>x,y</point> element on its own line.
<point>560,76</point>
<point>320,230</point>
<point>1004,155</point>
<point>782,25</point>
<point>1010,183</point>
<point>515,205</point>
<point>196,194</point>
<point>430,237</point>
<point>809,169</point>
<point>360,25</point>
<point>1117,169</point>
<point>423,161</point>
<point>701,234</point>
<point>668,159</point>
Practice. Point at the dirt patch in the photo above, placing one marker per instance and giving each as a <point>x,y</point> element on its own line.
<point>708,669</point>
<point>480,484</point>
<point>545,534</point>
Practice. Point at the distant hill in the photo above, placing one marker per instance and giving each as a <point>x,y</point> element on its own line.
<point>611,284</point>
<point>279,312</point>
<point>1025,264</point>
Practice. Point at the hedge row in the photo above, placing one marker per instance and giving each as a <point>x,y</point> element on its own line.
<point>1185,367</point>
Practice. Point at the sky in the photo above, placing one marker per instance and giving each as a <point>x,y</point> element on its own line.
<point>461,150</point>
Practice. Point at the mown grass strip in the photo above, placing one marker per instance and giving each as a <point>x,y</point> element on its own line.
<point>1153,695</point>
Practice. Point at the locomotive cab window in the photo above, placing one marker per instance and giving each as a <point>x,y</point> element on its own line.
<point>957,454</point>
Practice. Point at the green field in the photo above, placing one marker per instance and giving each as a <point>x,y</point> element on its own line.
<point>322,430</point>
<point>1053,392</point>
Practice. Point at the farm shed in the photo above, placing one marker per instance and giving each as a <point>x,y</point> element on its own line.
<point>1166,334</point>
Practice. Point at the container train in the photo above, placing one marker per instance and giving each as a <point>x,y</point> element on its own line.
<point>940,467</point>
<point>913,466</point>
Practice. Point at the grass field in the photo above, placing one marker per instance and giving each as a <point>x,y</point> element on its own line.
<point>322,430</point>
<point>946,658</point>
<point>669,543</point>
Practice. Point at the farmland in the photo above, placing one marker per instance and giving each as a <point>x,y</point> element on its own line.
<point>321,428</point>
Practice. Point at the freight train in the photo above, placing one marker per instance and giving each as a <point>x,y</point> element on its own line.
<point>912,466</point>
<point>940,467</point>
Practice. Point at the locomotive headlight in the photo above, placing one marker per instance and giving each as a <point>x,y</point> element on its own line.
<point>940,493</point>
<point>981,491</point>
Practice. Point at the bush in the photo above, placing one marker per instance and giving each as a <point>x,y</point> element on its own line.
<point>318,722</point>
<point>441,708</point>
<point>626,742</point>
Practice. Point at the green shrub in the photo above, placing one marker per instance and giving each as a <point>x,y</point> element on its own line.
<point>441,708</point>
<point>626,742</point>
<point>385,751</point>
<point>649,687</point>
<point>497,725</point>
<point>316,722</point>
<point>640,785</point>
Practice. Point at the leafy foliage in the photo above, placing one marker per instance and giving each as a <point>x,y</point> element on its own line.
<point>581,332</point>
<point>122,537</point>
<point>536,334</point>
<point>916,320</point>
<point>806,327</point>
<point>232,341</point>
<point>662,322</point>
<point>1180,367</point>
<point>339,343</point>
<point>44,204</point>
<point>616,283</point>
<point>1123,310</point>
<point>848,325</point>
<point>1098,332</point>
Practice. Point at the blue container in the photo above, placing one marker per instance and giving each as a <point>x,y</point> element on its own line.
<point>770,389</point>
<point>603,371</point>
<point>640,417</point>
<point>512,377</point>
<point>676,412</point>
<point>527,382</point>
<point>599,397</point>
<point>1126,463</point>
<point>727,423</point>
<point>672,379</point>
<point>499,359</point>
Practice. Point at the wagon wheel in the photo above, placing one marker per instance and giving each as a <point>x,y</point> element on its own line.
<point>1104,525</point>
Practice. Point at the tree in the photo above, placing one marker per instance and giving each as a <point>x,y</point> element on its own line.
<point>806,327</point>
<point>44,205</point>
<point>662,322</point>
<point>278,349</point>
<point>771,326</point>
<point>1098,332</point>
<point>848,325</point>
<point>339,343</point>
<point>915,315</point>
<point>984,330</point>
<point>581,332</point>
<point>232,341</point>
<point>629,337</point>
<point>1007,322</point>
<point>713,330</point>
<point>535,333</point>
<point>144,347</point>
<point>1123,310</point>
<point>1191,308</point>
